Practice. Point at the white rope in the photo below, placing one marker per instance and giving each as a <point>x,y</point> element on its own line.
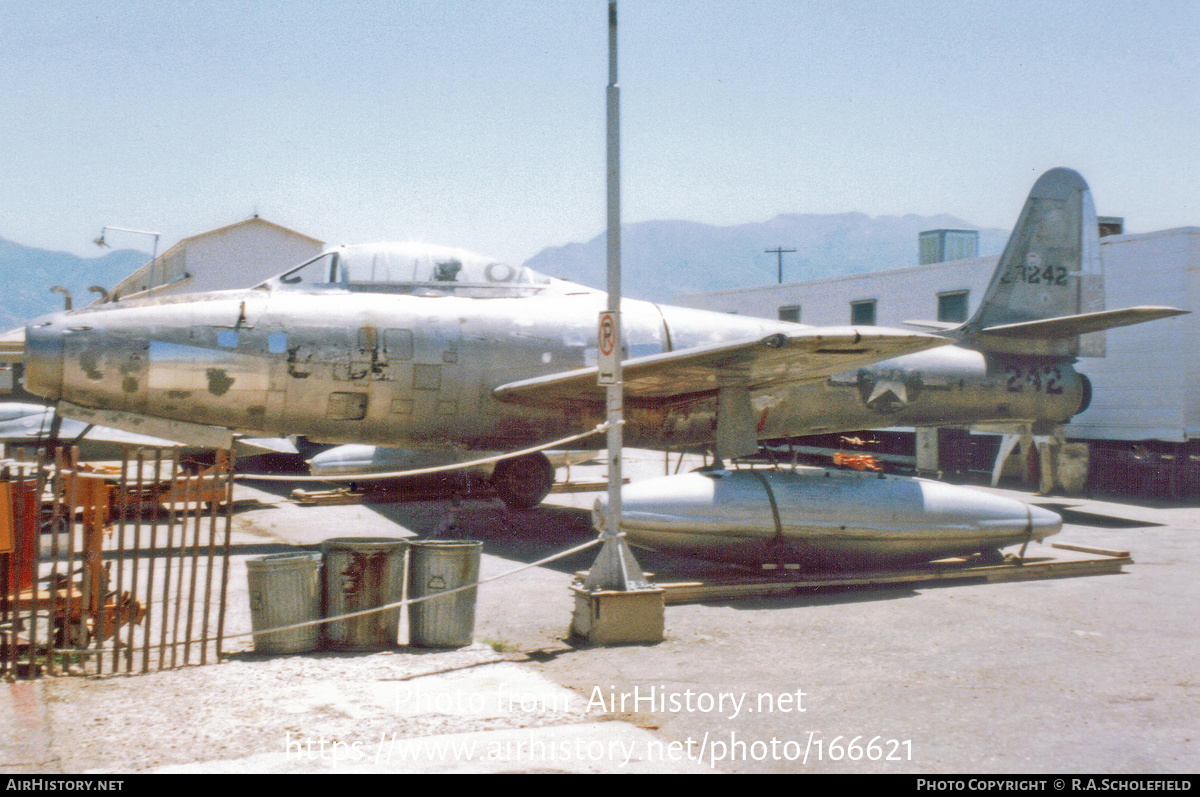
<point>398,604</point>
<point>356,477</point>
<point>112,477</point>
<point>362,613</point>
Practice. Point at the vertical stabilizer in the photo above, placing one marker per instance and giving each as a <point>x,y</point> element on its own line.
<point>1050,269</point>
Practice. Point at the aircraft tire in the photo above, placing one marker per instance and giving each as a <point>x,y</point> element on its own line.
<point>523,482</point>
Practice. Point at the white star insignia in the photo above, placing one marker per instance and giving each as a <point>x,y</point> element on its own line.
<point>885,386</point>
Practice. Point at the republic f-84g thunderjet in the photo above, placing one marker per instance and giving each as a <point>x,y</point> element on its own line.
<point>429,348</point>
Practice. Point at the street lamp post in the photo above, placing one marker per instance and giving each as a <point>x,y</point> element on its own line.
<point>103,243</point>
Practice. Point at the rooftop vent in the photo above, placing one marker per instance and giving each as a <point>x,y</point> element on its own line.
<point>939,246</point>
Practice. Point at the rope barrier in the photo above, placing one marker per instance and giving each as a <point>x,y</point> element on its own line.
<point>353,477</point>
<point>600,429</point>
<point>365,612</point>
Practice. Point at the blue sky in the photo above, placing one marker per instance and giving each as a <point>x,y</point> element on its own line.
<point>482,124</point>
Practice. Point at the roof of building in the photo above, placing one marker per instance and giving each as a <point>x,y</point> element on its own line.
<point>132,280</point>
<point>255,219</point>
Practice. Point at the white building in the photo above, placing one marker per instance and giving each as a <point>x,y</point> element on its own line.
<point>236,256</point>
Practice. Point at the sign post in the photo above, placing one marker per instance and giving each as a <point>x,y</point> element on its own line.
<point>607,342</point>
<point>634,608</point>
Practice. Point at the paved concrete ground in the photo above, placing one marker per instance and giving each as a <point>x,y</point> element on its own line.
<point>1092,674</point>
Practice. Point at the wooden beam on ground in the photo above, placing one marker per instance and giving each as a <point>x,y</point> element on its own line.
<point>1108,562</point>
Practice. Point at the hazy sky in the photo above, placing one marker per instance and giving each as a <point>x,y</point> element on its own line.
<point>481,124</point>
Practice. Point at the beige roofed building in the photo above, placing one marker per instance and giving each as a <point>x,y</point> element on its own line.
<point>235,256</point>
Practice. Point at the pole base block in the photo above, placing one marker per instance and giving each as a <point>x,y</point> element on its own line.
<point>612,617</point>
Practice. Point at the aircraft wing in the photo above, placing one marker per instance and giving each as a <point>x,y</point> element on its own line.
<point>801,356</point>
<point>12,345</point>
<point>36,428</point>
<point>249,446</point>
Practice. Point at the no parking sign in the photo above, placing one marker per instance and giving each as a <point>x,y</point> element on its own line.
<point>607,338</point>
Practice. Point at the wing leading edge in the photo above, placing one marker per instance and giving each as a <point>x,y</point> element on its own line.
<point>800,356</point>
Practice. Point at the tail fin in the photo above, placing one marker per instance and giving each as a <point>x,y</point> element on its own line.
<point>1047,295</point>
<point>1050,269</point>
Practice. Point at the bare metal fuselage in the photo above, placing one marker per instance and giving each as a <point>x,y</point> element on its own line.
<point>345,366</point>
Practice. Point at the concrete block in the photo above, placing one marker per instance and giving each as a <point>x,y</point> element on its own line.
<point>927,451</point>
<point>618,618</point>
<point>1073,461</point>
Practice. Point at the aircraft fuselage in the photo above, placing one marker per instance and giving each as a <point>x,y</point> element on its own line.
<point>342,366</point>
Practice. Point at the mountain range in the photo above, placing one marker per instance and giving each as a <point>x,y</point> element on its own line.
<point>664,259</point>
<point>27,275</point>
<point>659,259</point>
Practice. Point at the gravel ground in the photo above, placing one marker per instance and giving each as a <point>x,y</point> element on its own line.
<point>323,712</point>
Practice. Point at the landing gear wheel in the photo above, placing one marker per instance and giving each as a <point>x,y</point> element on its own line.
<point>523,482</point>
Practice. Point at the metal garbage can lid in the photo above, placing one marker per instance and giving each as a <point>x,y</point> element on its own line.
<point>284,560</point>
<point>362,544</point>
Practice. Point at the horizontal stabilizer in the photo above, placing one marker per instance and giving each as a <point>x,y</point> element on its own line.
<point>800,356</point>
<point>1070,325</point>
<point>939,326</point>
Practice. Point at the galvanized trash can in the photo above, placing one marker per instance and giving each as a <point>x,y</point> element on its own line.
<point>436,566</point>
<point>285,588</point>
<point>362,573</point>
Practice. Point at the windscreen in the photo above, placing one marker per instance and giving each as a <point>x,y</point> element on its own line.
<point>414,268</point>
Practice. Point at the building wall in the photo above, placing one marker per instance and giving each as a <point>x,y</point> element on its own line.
<point>1148,385</point>
<point>826,302</point>
<point>243,256</point>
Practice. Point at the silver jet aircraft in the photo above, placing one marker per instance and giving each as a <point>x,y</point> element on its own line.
<point>424,347</point>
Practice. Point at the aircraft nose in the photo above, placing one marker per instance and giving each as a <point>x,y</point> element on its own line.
<point>1044,522</point>
<point>44,357</point>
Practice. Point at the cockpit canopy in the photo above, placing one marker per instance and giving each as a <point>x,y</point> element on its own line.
<point>415,268</point>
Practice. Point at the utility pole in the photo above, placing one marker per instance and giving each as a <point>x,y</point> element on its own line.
<point>779,251</point>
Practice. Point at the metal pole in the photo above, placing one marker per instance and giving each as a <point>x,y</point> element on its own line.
<point>615,392</point>
<point>615,567</point>
<point>100,241</point>
<point>117,507</point>
<point>230,463</point>
<point>148,504</point>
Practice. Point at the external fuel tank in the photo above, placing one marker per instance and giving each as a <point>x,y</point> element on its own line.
<point>821,519</point>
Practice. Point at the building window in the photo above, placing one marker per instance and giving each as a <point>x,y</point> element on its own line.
<point>790,312</point>
<point>952,307</point>
<point>862,314</point>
